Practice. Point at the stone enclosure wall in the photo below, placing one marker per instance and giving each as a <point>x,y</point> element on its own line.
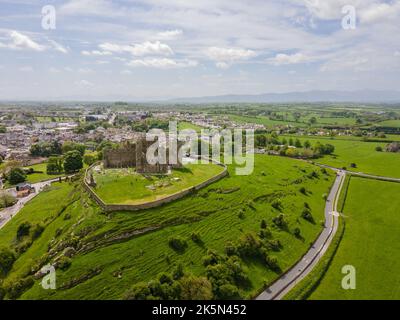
<point>150,204</point>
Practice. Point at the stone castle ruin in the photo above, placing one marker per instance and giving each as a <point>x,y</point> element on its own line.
<point>133,155</point>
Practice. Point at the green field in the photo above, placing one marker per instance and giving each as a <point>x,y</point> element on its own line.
<point>222,212</point>
<point>390,123</point>
<point>183,125</point>
<point>125,186</point>
<point>265,121</point>
<point>363,154</point>
<point>371,243</point>
<point>41,174</point>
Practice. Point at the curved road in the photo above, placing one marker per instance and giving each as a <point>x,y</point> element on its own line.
<point>7,213</point>
<point>291,278</point>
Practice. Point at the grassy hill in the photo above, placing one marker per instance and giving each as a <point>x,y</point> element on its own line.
<point>370,244</point>
<point>113,252</point>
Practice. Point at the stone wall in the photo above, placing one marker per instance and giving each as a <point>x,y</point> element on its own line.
<point>155,203</point>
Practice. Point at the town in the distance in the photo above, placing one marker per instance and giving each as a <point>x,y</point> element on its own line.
<point>84,215</point>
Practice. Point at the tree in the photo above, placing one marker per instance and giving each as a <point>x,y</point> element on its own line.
<point>229,292</point>
<point>90,158</point>
<point>72,146</point>
<point>45,149</point>
<point>195,288</point>
<point>73,161</point>
<point>307,144</point>
<point>177,243</point>
<point>16,175</point>
<point>313,120</point>
<point>54,165</point>
<point>297,143</point>
<point>6,200</point>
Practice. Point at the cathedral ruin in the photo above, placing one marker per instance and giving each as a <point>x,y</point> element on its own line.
<point>133,155</point>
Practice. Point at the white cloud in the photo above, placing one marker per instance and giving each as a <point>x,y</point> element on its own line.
<point>19,41</point>
<point>229,54</point>
<point>378,12</point>
<point>84,83</point>
<point>58,47</point>
<point>85,70</point>
<point>54,70</point>
<point>170,34</point>
<point>397,54</point>
<point>100,62</point>
<point>26,69</point>
<point>96,53</point>
<point>284,59</point>
<point>126,72</point>
<point>87,7</point>
<point>163,63</point>
<point>222,65</point>
<point>142,49</point>
<point>350,63</point>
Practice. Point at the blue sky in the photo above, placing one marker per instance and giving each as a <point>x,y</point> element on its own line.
<point>157,49</point>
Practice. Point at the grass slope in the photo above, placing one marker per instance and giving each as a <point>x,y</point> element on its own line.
<point>122,243</point>
<point>124,186</point>
<point>371,243</point>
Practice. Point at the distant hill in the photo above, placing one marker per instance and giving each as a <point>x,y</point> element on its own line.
<point>364,96</point>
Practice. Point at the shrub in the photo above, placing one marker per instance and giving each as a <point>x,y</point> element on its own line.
<point>139,291</point>
<point>276,204</point>
<point>249,245</point>
<point>177,243</point>
<point>2,292</point>
<point>195,236</point>
<point>64,263</point>
<point>7,259</point>
<point>297,232</point>
<point>211,258</point>
<point>306,214</point>
<point>230,249</point>
<point>37,231</point>
<point>303,190</point>
<point>272,262</point>
<point>165,278</point>
<point>23,229</point>
<point>280,221</point>
<point>15,289</point>
<point>178,272</point>
<point>195,288</point>
<point>274,245</point>
<point>265,233</point>
<point>229,292</point>
<point>263,224</point>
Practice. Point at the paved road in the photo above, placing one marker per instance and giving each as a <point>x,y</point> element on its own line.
<point>286,282</point>
<point>8,213</point>
<point>360,174</point>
